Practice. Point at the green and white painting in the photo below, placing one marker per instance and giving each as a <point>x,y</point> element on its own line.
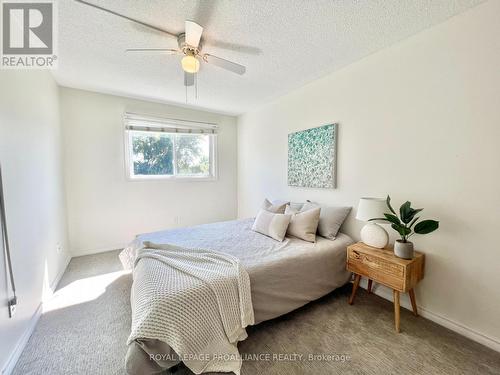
<point>312,156</point>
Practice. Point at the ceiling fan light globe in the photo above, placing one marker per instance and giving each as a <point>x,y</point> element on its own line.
<point>190,64</point>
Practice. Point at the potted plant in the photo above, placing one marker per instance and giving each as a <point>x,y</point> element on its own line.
<point>406,225</point>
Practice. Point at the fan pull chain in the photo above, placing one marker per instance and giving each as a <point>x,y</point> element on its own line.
<point>196,85</point>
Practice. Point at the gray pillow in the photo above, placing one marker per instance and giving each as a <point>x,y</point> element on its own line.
<point>272,225</point>
<point>303,224</point>
<point>330,219</point>
<point>277,208</point>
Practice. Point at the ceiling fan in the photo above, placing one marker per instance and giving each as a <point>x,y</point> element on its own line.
<point>190,47</point>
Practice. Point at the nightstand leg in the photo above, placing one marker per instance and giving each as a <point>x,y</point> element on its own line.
<point>411,292</point>
<point>354,288</point>
<point>369,286</point>
<point>396,310</point>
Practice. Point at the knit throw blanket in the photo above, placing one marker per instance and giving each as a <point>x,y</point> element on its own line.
<point>196,301</point>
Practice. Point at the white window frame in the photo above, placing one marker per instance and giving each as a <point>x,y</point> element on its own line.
<point>184,127</point>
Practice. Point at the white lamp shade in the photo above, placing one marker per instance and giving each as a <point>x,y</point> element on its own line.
<point>370,208</point>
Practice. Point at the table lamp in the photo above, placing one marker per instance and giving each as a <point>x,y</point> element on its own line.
<point>373,234</point>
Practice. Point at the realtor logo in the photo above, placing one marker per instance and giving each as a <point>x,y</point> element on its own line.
<point>28,34</point>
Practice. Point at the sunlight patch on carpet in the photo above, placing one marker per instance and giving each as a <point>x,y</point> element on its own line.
<point>81,291</point>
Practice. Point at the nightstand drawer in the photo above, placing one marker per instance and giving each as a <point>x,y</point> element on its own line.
<point>376,268</point>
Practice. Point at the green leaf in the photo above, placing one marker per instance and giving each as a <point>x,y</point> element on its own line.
<point>378,218</point>
<point>413,222</point>
<point>403,231</point>
<point>405,212</point>
<point>412,214</point>
<point>388,201</point>
<point>426,226</point>
<point>415,211</point>
<point>393,219</point>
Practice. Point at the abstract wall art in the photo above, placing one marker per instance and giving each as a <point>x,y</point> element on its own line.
<point>312,157</point>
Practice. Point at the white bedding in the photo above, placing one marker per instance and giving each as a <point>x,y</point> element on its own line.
<point>196,301</point>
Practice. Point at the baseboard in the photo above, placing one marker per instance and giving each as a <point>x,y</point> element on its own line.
<point>79,253</point>
<point>14,357</point>
<point>490,342</point>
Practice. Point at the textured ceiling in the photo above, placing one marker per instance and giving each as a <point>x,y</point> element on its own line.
<point>283,43</point>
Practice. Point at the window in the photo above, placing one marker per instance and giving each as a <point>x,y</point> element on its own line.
<point>162,148</point>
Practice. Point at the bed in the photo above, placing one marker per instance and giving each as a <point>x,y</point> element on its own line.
<point>283,275</point>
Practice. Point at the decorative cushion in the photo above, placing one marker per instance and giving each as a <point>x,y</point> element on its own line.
<point>272,225</point>
<point>277,208</point>
<point>294,205</point>
<point>292,210</point>
<point>303,224</point>
<point>330,219</point>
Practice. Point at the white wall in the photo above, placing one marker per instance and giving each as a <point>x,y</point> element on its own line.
<point>419,120</point>
<point>105,210</point>
<point>30,153</point>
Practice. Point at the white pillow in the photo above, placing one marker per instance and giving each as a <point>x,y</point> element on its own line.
<point>272,225</point>
<point>277,208</point>
<point>330,219</point>
<point>296,205</point>
<point>303,224</point>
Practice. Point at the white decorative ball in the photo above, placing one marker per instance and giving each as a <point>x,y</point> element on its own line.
<point>374,235</point>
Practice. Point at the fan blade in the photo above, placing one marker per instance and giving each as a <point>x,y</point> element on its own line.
<point>193,33</point>
<point>126,17</point>
<point>240,48</point>
<point>225,64</point>
<point>166,51</point>
<point>188,79</point>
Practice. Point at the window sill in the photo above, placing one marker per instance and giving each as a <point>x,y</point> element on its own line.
<point>171,178</point>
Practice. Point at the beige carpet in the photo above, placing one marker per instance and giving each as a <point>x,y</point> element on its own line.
<point>86,335</point>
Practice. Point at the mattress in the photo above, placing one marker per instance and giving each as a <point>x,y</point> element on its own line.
<point>283,275</point>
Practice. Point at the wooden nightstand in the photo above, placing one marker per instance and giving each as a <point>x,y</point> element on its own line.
<point>383,267</point>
